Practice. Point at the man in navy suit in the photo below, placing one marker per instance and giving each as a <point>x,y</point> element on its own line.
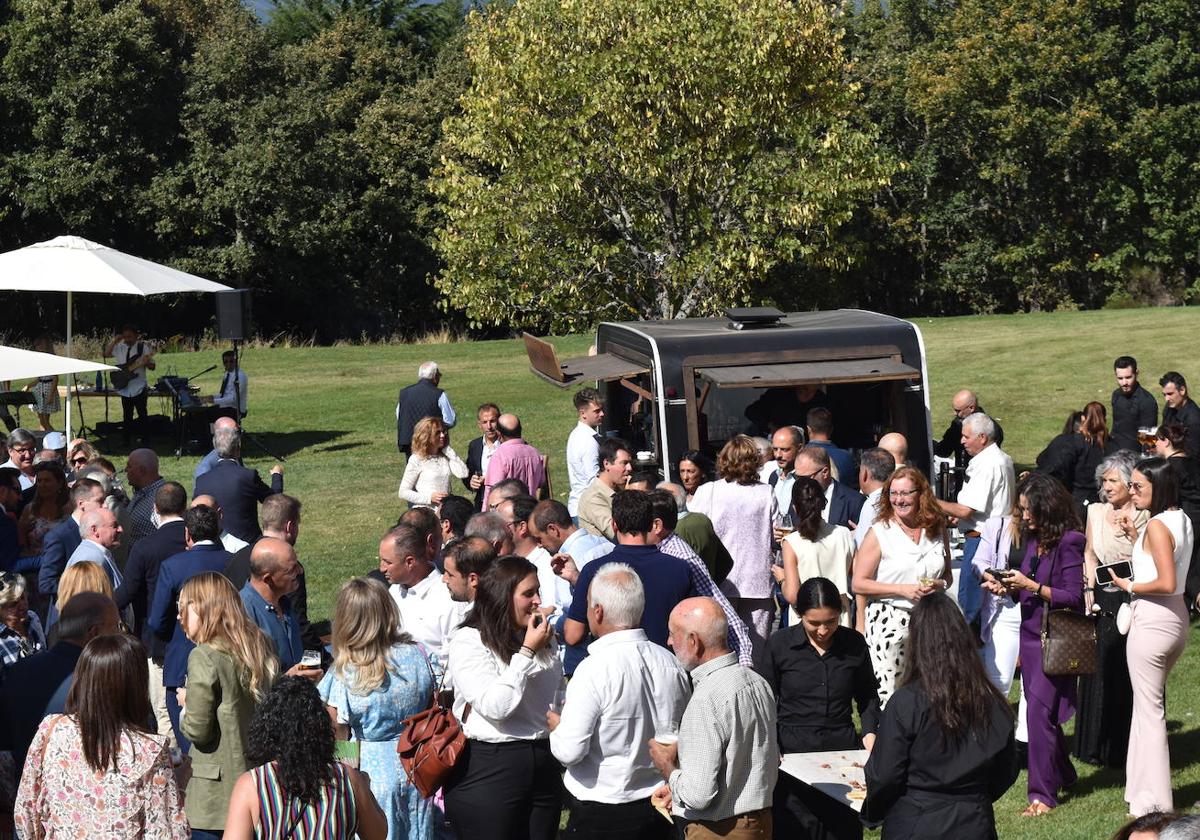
<point>141,578</point>
<point>62,540</point>
<point>479,451</point>
<point>842,505</point>
<point>204,554</point>
<point>37,685</point>
<point>236,489</point>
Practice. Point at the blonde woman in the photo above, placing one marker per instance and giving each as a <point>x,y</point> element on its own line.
<point>229,671</point>
<point>378,678</point>
<point>427,474</point>
<point>82,577</point>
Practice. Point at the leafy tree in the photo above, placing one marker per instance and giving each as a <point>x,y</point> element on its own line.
<point>645,158</point>
<point>422,27</point>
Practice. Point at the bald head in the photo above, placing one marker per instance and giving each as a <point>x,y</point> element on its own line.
<point>965,402</point>
<point>100,526</point>
<point>895,443</point>
<point>224,423</point>
<point>142,468</point>
<point>699,631</point>
<point>274,569</point>
<point>509,426</point>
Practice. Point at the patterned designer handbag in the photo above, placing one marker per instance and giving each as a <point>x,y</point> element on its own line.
<point>1068,643</point>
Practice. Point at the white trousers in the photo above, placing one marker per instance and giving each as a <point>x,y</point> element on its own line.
<point>1000,653</point>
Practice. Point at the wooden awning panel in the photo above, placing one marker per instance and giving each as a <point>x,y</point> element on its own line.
<point>805,373</point>
<point>603,367</point>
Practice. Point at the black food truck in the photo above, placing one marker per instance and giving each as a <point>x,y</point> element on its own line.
<point>692,383</point>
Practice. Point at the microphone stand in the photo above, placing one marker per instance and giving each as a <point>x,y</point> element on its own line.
<point>237,393</point>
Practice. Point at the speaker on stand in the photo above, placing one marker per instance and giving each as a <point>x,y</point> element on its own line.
<point>233,324</point>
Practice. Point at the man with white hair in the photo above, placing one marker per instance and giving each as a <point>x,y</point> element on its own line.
<point>101,534</point>
<point>628,691</point>
<point>988,492</point>
<point>721,773</point>
<point>420,400</point>
<point>210,460</point>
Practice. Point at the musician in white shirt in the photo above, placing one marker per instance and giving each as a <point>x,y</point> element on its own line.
<point>134,356</point>
<point>235,385</point>
<point>626,692</point>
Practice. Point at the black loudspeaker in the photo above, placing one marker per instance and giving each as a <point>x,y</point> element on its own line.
<point>233,314</point>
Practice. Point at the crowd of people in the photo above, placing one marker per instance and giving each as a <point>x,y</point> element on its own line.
<point>643,655</point>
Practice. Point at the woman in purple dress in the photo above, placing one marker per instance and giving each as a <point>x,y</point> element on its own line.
<point>1051,577</point>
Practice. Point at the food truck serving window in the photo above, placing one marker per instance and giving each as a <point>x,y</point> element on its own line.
<point>803,373</point>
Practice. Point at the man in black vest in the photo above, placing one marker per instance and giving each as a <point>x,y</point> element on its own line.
<point>420,400</point>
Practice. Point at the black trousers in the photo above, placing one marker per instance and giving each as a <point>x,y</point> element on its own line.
<point>629,821</point>
<point>128,406</point>
<point>509,791</point>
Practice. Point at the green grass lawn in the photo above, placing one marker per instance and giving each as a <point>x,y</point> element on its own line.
<point>329,411</point>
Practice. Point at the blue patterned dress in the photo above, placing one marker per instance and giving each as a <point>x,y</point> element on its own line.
<point>376,720</point>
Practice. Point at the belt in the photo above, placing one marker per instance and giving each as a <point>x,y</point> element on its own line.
<point>972,534</point>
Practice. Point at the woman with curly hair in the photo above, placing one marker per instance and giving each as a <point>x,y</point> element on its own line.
<point>380,676</point>
<point>229,671</point>
<point>1050,577</point>
<point>427,474</point>
<point>742,510</point>
<point>297,789</point>
<point>815,549</point>
<point>905,556</point>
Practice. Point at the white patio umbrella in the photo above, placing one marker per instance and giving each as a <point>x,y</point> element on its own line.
<point>16,363</point>
<point>72,264</point>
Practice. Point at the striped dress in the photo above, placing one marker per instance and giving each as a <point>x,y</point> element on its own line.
<point>331,817</point>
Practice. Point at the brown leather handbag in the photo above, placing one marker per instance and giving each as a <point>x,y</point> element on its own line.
<point>430,745</point>
<point>1068,643</point>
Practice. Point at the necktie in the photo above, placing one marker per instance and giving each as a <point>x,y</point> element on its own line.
<point>224,385</point>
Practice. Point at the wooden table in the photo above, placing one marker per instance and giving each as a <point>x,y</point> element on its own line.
<point>832,773</point>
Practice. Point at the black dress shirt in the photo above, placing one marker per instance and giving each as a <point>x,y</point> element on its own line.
<point>1130,412</point>
<point>950,446</point>
<point>814,692</point>
<point>914,768</point>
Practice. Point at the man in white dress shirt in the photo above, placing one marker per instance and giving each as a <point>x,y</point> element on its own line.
<point>235,385</point>
<point>427,612</point>
<point>988,492</point>
<point>628,691</point>
<point>134,356</point>
<point>583,450</point>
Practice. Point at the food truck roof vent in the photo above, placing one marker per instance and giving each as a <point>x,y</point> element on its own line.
<point>753,317</point>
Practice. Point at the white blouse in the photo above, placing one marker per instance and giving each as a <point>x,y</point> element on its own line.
<point>425,476</point>
<point>904,561</point>
<point>508,702</point>
<point>1144,570</point>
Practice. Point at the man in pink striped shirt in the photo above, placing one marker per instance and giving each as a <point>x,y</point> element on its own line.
<point>514,458</point>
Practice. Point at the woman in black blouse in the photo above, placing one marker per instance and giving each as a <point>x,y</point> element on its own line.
<point>817,669</point>
<point>945,750</point>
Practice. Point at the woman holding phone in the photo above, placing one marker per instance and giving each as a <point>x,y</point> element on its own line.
<point>1050,577</point>
<point>505,671</point>
<point>380,676</point>
<point>1106,697</point>
<point>1158,628</point>
<point>229,671</point>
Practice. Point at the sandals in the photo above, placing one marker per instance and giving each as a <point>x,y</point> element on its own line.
<point>1037,809</point>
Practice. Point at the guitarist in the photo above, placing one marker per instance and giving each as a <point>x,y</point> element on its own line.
<point>134,356</point>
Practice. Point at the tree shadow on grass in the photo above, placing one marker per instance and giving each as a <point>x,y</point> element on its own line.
<point>283,444</point>
<point>1184,746</point>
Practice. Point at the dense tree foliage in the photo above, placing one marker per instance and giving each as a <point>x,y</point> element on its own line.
<point>374,166</point>
<point>645,158</point>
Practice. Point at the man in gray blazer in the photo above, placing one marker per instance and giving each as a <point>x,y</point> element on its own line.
<point>101,534</point>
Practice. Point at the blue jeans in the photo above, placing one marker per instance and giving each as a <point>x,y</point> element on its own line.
<point>174,713</point>
<point>970,593</point>
<point>201,834</point>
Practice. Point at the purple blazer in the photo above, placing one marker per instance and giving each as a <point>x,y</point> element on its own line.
<point>1062,571</point>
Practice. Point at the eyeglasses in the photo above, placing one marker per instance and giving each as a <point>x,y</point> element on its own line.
<point>1137,486</point>
<point>79,462</point>
<point>812,474</point>
<point>24,449</point>
<point>903,494</point>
